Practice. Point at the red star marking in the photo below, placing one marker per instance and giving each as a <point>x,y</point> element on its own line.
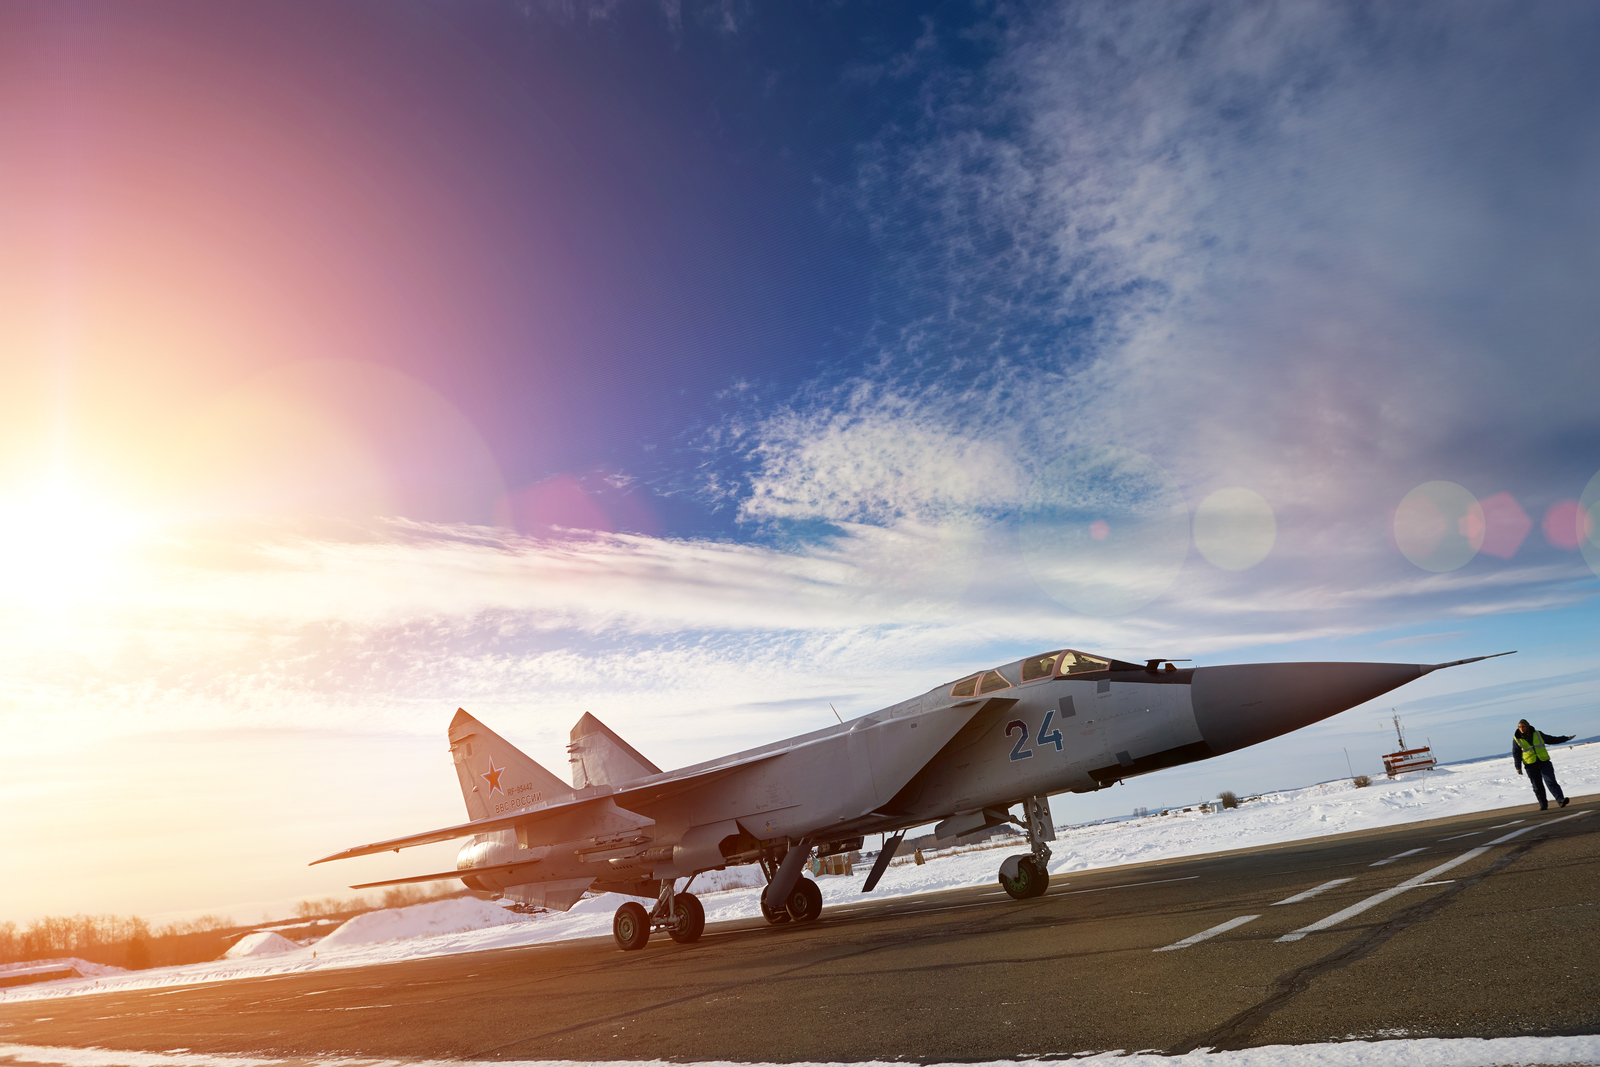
<point>493,777</point>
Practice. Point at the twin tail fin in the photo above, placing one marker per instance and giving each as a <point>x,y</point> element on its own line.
<point>496,777</point>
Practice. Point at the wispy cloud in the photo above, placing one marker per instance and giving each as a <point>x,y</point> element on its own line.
<point>1271,247</point>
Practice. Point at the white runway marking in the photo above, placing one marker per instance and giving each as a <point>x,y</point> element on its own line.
<point>1351,912</point>
<point>1130,885</point>
<point>1503,825</point>
<point>1396,856</point>
<point>1458,837</point>
<point>1221,928</point>
<point>1309,893</point>
<point>1425,878</point>
<point>1535,826</point>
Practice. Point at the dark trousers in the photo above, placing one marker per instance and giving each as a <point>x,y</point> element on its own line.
<point>1539,773</point>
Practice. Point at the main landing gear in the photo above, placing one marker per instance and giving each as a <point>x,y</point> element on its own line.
<point>681,915</point>
<point>803,904</point>
<point>1028,875</point>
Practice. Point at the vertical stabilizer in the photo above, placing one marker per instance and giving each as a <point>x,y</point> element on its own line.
<point>600,757</point>
<point>496,778</point>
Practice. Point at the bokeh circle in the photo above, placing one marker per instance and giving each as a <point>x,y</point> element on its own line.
<point>1439,526</point>
<point>1104,530</point>
<point>1589,520</point>
<point>1234,528</point>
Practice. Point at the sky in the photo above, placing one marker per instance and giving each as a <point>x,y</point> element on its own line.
<point>701,365</point>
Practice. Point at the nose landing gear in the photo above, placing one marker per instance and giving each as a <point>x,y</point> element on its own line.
<point>1028,875</point>
<point>804,900</point>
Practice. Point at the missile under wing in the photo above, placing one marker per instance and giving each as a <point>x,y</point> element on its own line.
<point>963,754</point>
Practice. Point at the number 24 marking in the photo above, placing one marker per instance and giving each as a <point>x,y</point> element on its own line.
<point>1053,737</point>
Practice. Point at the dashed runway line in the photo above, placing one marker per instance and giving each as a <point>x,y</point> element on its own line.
<point>1309,893</point>
<point>1396,856</point>
<point>1129,885</point>
<point>1353,910</point>
<point>1458,837</point>
<point>1220,928</point>
<point>1503,825</point>
<point>1424,879</point>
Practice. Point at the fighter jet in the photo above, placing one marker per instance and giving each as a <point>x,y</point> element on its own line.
<point>963,754</point>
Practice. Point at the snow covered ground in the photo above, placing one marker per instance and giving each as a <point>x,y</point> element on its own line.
<point>467,925</point>
<point>1421,1052</point>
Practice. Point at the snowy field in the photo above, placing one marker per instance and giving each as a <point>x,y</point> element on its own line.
<point>468,925</point>
<point>1424,1052</point>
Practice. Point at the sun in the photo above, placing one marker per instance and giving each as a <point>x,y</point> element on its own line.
<point>61,544</point>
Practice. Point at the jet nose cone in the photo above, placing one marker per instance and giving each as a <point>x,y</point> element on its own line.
<point>1244,704</point>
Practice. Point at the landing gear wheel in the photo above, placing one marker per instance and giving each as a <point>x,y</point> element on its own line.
<point>780,915</point>
<point>631,926</point>
<point>691,919</point>
<point>805,903</point>
<point>1032,878</point>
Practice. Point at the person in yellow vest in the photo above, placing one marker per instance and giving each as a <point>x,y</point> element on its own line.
<point>1528,750</point>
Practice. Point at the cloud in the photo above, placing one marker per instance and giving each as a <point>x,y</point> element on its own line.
<point>1318,252</point>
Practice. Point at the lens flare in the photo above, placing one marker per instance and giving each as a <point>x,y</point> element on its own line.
<point>1564,524</point>
<point>1439,526</point>
<point>1507,525</point>
<point>1234,528</point>
<point>1589,517</point>
<point>1104,530</point>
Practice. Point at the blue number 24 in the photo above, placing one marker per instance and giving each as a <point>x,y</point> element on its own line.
<point>1017,726</point>
<point>1016,750</point>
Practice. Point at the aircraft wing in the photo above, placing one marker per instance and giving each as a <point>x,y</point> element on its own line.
<point>499,868</point>
<point>636,798</point>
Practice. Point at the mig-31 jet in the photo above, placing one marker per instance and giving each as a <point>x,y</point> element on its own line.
<point>963,754</point>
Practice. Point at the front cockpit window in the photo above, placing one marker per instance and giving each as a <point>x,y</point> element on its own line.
<point>1078,663</point>
<point>966,687</point>
<point>1036,667</point>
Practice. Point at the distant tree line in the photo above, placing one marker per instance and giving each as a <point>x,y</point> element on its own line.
<point>129,941</point>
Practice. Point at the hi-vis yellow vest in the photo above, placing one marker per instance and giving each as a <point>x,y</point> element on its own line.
<point>1534,752</point>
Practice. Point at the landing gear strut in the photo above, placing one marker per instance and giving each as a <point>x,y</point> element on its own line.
<point>1028,875</point>
<point>681,915</point>
<point>804,900</point>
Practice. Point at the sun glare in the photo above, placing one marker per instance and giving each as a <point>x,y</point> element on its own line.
<point>60,545</point>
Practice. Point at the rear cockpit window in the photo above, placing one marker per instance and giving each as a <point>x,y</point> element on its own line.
<point>992,682</point>
<point>978,684</point>
<point>1038,667</point>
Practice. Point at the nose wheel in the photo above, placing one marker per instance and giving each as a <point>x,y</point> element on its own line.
<point>1028,875</point>
<point>803,902</point>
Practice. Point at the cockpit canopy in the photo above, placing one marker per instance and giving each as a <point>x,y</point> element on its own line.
<point>1058,664</point>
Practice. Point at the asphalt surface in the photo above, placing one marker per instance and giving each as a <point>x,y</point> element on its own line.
<point>1504,941</point>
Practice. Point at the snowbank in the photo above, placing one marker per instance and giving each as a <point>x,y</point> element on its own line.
<point>418,920</point>
<point>1412,1052</point>
<point>83,967</point>
<point>260,943</point>
<point>468,925</point>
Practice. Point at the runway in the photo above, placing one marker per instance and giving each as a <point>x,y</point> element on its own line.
<point>1485,926</point>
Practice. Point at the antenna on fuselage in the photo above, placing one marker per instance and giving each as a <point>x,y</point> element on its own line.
<point>835,712</point>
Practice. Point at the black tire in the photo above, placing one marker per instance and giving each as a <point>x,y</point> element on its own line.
<point>805,903</point>
<point>1041,880</point>
<point>693,919</point>
<point>631,926</point>
<point>1031,881</point>
<point>775,916</point>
